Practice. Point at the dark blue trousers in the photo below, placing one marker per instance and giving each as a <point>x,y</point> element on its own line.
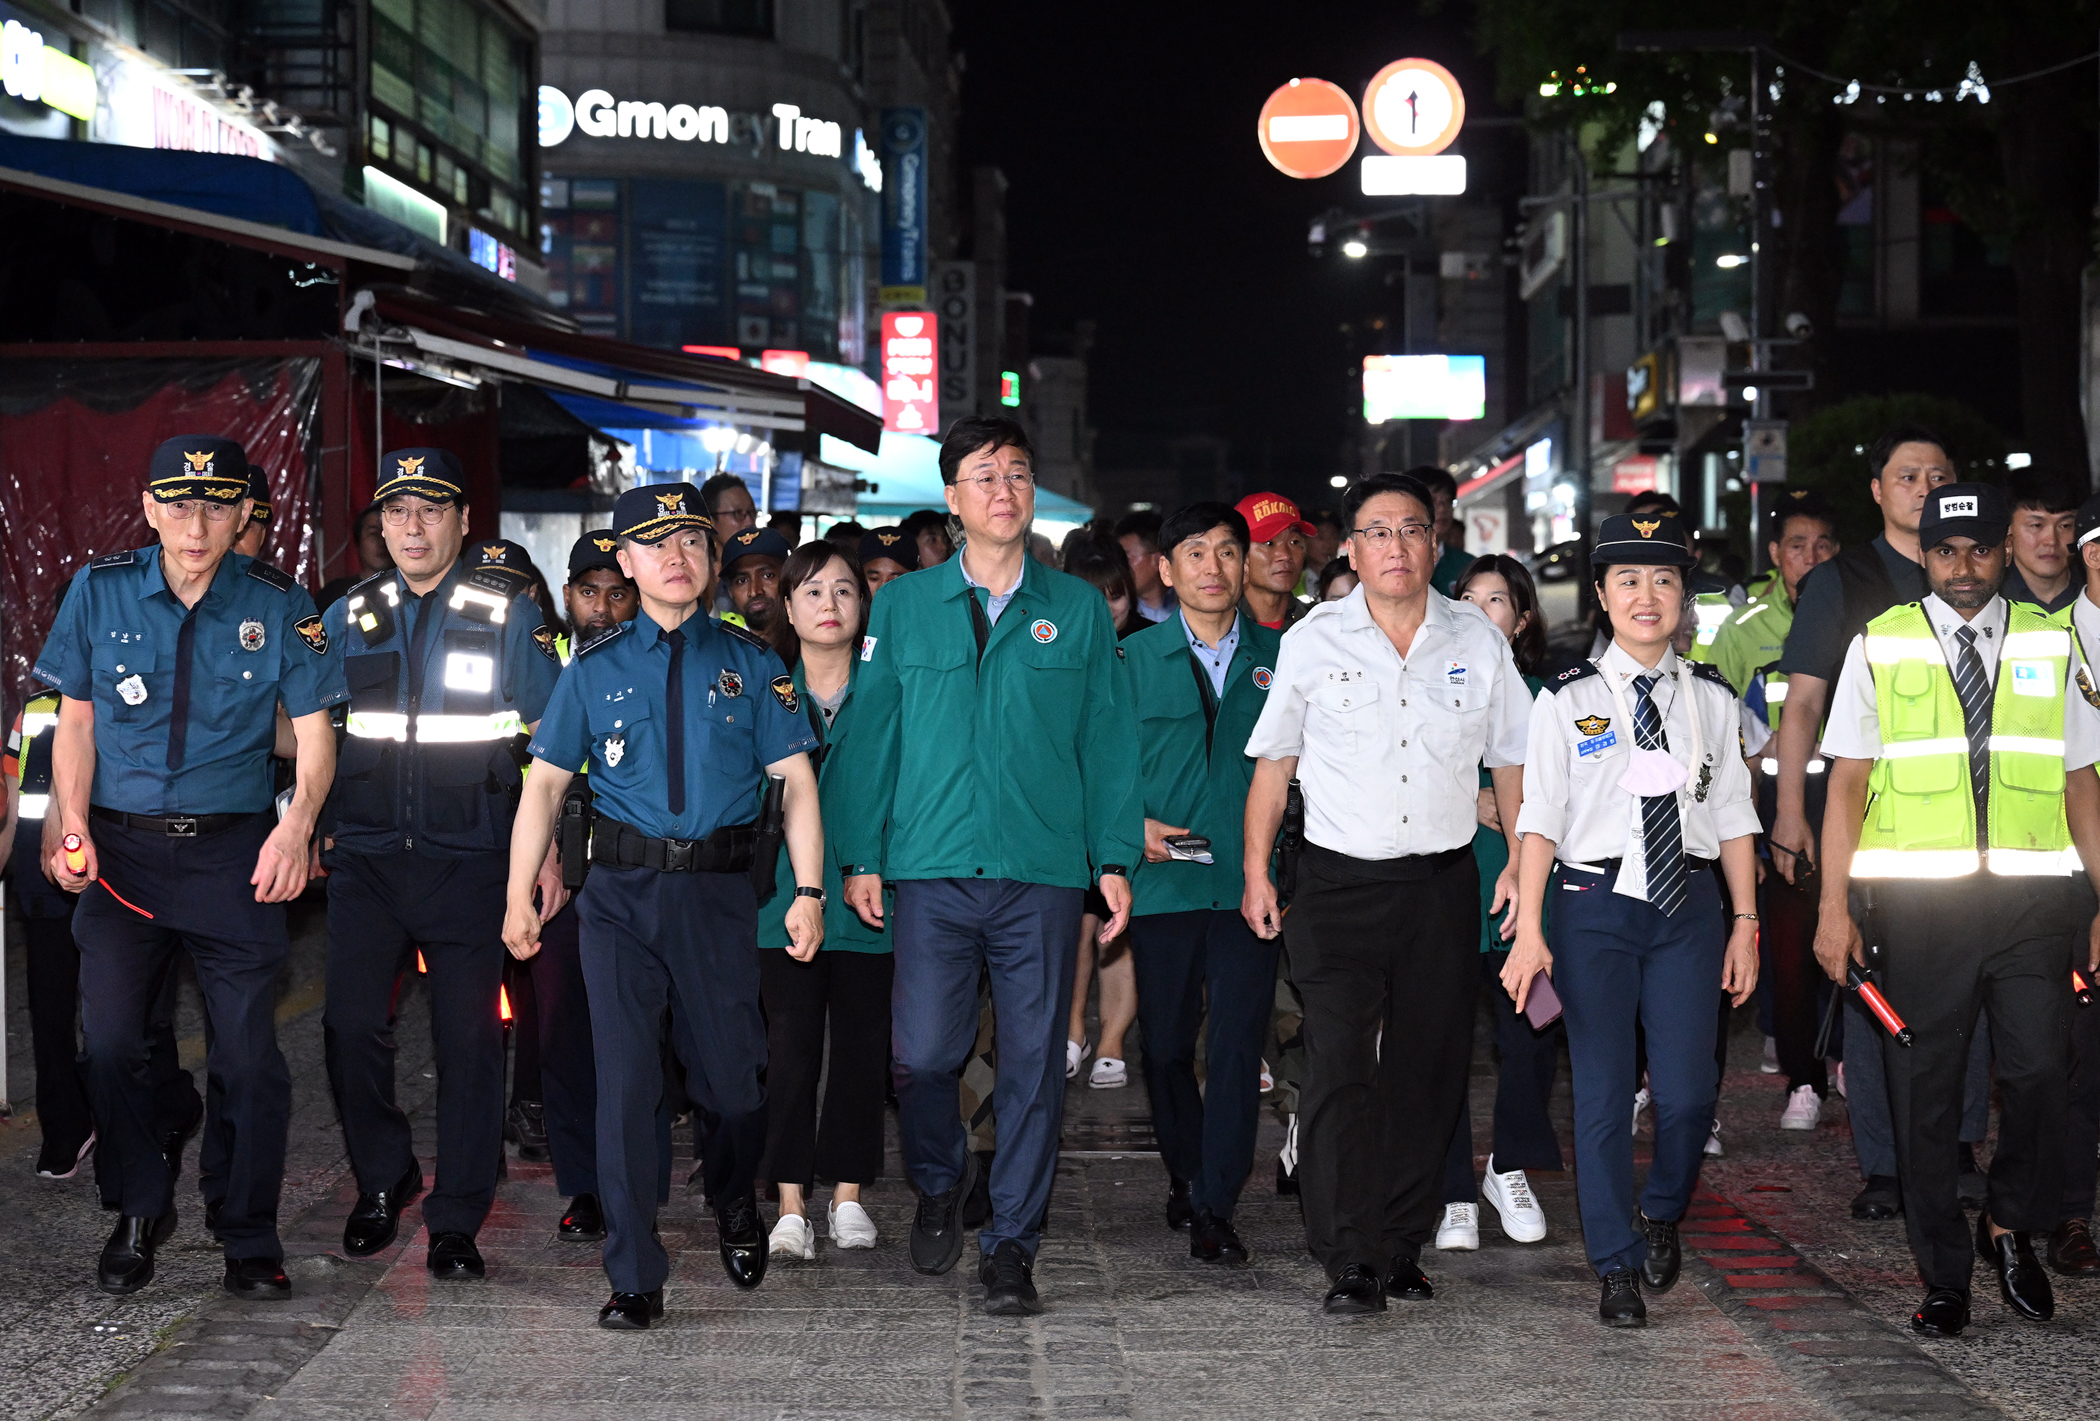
<point>381,911</point>
<point>687,944</point>
<point>1616,960</point>
<point>1524,1137</point>
<point>568,1064</point>
<point>198,892</point>
<point>1207,1136</point>
<point>1026,935</point>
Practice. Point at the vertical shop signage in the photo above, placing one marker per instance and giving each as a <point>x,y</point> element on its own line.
<point>903,207</point>
<point>911,401</point>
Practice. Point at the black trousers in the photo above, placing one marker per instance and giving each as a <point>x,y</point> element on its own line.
<point>1370,949</point>
<point>844,996</point>
<point>686,943</point>
<point>564,1060</point>
<point>1182,960</point>
<point>381,912</point>
<point>2003,944</point>
<point>198,892</point>
<point>2082,1137</point>
<point>1799,983</point>
<point>1524,1137</point>
<point>525,1080</point>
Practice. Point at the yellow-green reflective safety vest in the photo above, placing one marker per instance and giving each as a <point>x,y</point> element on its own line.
<point>1921,812</point>
<point>1709,610</point>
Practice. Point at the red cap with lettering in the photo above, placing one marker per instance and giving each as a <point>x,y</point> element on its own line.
<point>1268,514</point>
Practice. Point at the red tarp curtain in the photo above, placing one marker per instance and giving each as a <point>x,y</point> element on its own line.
<point>75,437</point>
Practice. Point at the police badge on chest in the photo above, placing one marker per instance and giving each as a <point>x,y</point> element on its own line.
<point>615,750</point>
<point>251,636</point>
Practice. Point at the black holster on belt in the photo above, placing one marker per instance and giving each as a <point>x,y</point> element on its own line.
<point>573,833</point>
<point>1290,841</point>
<point>772,833</point>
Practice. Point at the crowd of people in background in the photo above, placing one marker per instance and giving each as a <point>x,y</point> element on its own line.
<point>1289,794</point>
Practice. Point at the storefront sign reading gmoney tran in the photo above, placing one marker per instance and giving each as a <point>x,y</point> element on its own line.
<point>595,113</point>
<point>903,207</point>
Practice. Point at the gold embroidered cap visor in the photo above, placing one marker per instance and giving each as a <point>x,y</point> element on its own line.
<point>433,475</point>
<point>198,466</point>
<point>653,512</point>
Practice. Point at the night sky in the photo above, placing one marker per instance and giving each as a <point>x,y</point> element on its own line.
<point>1139,198</point>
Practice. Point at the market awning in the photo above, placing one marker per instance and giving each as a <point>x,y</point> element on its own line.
<point>611,383</point>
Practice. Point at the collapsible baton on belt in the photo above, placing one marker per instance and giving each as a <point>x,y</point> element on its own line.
<point>772,831</point>
<point>574,833</point>
<point>1290,842</point>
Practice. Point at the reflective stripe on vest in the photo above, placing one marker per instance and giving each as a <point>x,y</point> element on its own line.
<point>1710,609</point>
<point>33,806</point>
<point>434,729</point>
<point>1921,810</point>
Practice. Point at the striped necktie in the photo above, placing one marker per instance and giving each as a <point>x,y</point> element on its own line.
<point>1975,691</point>
<point>1662,833</point>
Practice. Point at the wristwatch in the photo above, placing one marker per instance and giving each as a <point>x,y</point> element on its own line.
<point>1113,868</point>
<point>816,893</point>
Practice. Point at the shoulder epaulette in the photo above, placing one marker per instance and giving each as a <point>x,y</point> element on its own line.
<point>366,581</point>
<point>263,572</point>
<point>123,559</point>
<point>1574,673</point>
<point>504,581</point>
<point>745,634</point>
<point>600,638</point>
<point>1707,671</point>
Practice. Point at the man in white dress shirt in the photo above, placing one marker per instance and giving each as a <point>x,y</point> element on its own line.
<point>1385,704</point>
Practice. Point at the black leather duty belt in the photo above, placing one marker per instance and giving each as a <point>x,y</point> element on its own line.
<point>175,826</point>
<point>730,849</point>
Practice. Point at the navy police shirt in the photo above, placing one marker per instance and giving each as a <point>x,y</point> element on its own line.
<point>610,710</point>
<point>186,698</point>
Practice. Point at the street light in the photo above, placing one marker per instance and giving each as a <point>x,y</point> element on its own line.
<point>1355,247</point>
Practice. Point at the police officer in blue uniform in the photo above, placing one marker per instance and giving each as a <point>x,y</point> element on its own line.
<point>170,662</point>
<point>681,720</point>
<point>447,665</point>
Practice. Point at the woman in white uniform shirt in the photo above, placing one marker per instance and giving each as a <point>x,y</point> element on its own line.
<point>1634,785</point>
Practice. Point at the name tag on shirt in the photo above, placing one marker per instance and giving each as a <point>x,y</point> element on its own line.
<point>1597,744</point>
<point>2033,678</point>
<point>1455,673</point>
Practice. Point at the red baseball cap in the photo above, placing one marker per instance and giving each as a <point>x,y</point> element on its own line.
<point>1268,514</point>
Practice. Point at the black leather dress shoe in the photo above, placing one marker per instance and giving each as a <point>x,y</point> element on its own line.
<point>975,1211</point>
<point>1881,1199</point>
<point>585,1221</point>
<point>126,1264</point>
<point>259,1280</point>
<point>525,1125</point>
<point>1620,1303</point>
<point>1406,1281</point>
<point>1214,1240</point>
<point>1286,1182</point>
<point>1180,1213</point>
<point>1665,1257</point>
<point>373,1223</point>
<point>2071,1250</point>
<point>2022,1281</point>
<point>631,1312</point>
<point>936,1232</point>
<point>454,1257</point>
<point>743,1241</point>
<point>1944,1313</point>
<point>1009,1282</point>
<point>1356,1291</point>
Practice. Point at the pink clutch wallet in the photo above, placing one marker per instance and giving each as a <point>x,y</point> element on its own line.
<point>1542,1003</point>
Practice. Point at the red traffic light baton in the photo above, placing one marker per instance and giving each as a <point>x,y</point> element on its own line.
<point>1879,1005</point>
<point>76,861</point>
<point>2080,988</point>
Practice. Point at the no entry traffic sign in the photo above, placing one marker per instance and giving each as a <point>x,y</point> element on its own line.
<point>1414,108</point>
<point>1308,128</point>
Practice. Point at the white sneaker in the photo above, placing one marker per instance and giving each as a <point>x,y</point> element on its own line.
<point>1770,1064</point>
<point>1460,1230</point>
<point>850,1225</point>
<point>1268,1080</point>
<point>1640,1103</point>
<point>793,1238</point>
<point>1076,1053</point>
<point>1109,1074</point>
<point>1510,1194</point>
<point>1837,1079</point>
<point>1804,1109</point>
<point>1713,1142</point>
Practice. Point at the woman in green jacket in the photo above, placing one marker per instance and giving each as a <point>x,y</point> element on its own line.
<point>846,986</point>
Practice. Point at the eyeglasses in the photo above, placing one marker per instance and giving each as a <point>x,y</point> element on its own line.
<point>1380,537</point>
<point>992,483</point>
<point>185,510</point>
<point>429,515</point>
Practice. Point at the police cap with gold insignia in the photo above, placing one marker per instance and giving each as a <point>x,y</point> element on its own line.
<point>430,474</point>
<point>259,490</point>
<point>1975,511</point>
<point>755,543</point>
<point>889,543</point>
<point>596,548</point>
<point>653,512</point>
<point>1641,540</point>
<point>202,466</point>
<point>502,552</point>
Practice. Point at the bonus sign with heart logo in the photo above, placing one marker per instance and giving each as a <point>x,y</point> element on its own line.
<point>911,402</point>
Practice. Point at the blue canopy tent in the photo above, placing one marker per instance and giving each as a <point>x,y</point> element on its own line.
<point>906,474</point>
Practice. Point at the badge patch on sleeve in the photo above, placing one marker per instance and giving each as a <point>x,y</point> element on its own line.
<point>867,648</point>
<point>730,684</point>
<point>784,692</point>
<point>2033,678</point>
<point>543,638</point>
<point>314,634</point>
<point>2086,689</point>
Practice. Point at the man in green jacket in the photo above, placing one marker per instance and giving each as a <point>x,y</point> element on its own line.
<point>1198,682</point>
<point>991,686</point>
